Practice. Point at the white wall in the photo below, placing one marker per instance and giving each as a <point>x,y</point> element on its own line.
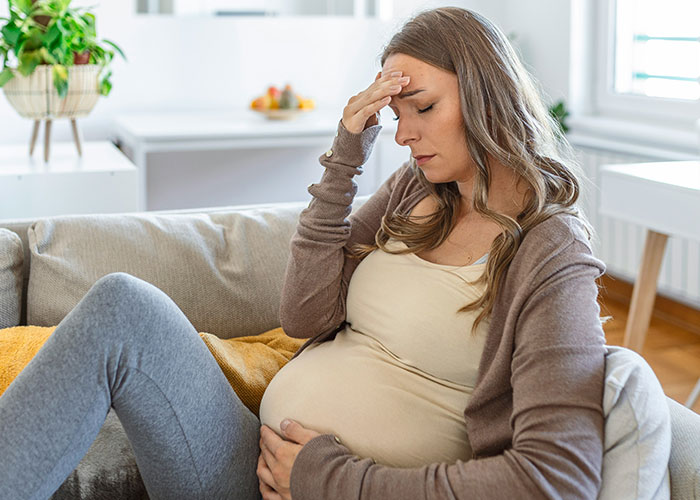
<point>542,29</point>
<point>495,10</point>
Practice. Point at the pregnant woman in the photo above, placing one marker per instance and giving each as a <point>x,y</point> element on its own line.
<point>455,348</point>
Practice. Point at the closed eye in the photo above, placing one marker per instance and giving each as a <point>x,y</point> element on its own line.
<point>419,111</point>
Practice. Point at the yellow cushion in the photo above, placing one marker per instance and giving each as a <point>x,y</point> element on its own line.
<point>18,345</point>
<point>249,363</point>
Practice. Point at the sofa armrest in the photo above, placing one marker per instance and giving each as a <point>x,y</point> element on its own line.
<point>684,463</point>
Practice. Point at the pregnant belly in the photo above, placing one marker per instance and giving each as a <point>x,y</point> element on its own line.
<point>354,388</point>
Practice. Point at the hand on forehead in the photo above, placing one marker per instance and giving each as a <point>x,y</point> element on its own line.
<point>406,65</point>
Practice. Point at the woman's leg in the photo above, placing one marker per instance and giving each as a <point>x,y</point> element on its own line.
<point>126,344</point>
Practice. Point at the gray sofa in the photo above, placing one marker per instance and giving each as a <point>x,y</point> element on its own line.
<point>222,266</point>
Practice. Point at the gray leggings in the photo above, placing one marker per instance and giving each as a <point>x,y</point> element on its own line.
<point>127,345</point>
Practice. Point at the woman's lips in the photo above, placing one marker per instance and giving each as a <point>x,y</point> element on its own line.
<point>421,160</point>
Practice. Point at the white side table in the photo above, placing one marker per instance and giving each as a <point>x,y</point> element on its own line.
<point>664,197</point>
<point>103,180</point>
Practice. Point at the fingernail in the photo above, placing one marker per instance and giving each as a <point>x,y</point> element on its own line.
<point>404,79</point>
<point>397,73</point>
<point>285,423</point>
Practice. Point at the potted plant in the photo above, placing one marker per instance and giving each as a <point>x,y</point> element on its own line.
<point>53,65</point>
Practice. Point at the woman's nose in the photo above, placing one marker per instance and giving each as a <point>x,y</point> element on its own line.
<point>406,133</point>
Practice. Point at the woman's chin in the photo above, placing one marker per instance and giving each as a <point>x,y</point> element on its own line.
<point>432,176</point>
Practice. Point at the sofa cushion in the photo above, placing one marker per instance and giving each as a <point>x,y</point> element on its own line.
<point>249,363</point>
<point>223,269</point>
<point>685,459</point>
<point>637,430</point>
<point>18,345</point>
<point>11,263</point>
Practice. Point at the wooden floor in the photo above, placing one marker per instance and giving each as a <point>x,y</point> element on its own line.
<point>672,351</point>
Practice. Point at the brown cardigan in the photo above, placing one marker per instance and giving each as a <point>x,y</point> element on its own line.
<point>535,419</point>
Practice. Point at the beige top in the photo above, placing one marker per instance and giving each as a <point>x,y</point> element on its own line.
<point>394,383</point>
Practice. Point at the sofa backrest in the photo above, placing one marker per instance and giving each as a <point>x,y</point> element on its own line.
<point>223,267</point>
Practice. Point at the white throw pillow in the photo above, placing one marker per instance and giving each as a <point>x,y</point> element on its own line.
<point>637,430</point>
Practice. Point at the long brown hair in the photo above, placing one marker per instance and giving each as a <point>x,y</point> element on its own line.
<point>507,120</point>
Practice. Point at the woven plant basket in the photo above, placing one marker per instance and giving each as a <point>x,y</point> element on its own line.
<point>35,96</point>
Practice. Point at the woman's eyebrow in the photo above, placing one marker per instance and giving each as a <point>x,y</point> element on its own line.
<point>409,93</point>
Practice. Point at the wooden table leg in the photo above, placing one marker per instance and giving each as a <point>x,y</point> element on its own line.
<point>644,291</point>
<point>76,136</point>
<point>47,140</point>
<point>35,132</point>
<point>694,395</point>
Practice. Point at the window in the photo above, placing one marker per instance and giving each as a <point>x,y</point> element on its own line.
<point>649,58</point>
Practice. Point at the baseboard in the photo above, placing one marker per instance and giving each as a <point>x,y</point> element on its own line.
<point>666,309</point>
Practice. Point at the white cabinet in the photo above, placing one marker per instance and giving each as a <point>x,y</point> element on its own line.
<point>197,160</point>
<point>103,180</point>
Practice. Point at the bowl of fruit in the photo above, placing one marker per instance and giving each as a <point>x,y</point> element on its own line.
<point>284,104</point>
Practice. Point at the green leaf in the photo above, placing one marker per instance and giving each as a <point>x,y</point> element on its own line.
<point>60,72</point>
<point>114,45</point>
<point>80,24</point>
<point>89,19</point>
<point>5,76</point>
<point>61,25</point>
<point>34,42</point>
<point>11,33</point>
<point>28,62</point>
<point>60,79</point>
<point>23,5</point>
<point>559,113</point>
<point>52,34</point>
<point>46,56</point>
<point>105,87</point>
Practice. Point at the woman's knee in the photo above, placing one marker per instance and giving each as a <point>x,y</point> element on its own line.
<point>127,300</point>
<point>124,290</point>
<point>116,283</point>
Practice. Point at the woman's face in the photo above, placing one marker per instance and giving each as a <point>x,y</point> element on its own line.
<point>430,119</point>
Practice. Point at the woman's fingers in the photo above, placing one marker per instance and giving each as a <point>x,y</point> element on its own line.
<point>268,493</point>
<point>267,455</point>
<point>266,481</point>
<point>385,86</point>
<point>361,109</point>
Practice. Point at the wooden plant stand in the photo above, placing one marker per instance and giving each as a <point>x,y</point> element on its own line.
<point>47,137</point>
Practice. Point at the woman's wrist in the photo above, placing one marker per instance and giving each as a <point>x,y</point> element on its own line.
<point>349,148</point>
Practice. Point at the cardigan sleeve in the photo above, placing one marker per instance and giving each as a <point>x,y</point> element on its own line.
<point>319,270</point>
<point>557,381</point>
